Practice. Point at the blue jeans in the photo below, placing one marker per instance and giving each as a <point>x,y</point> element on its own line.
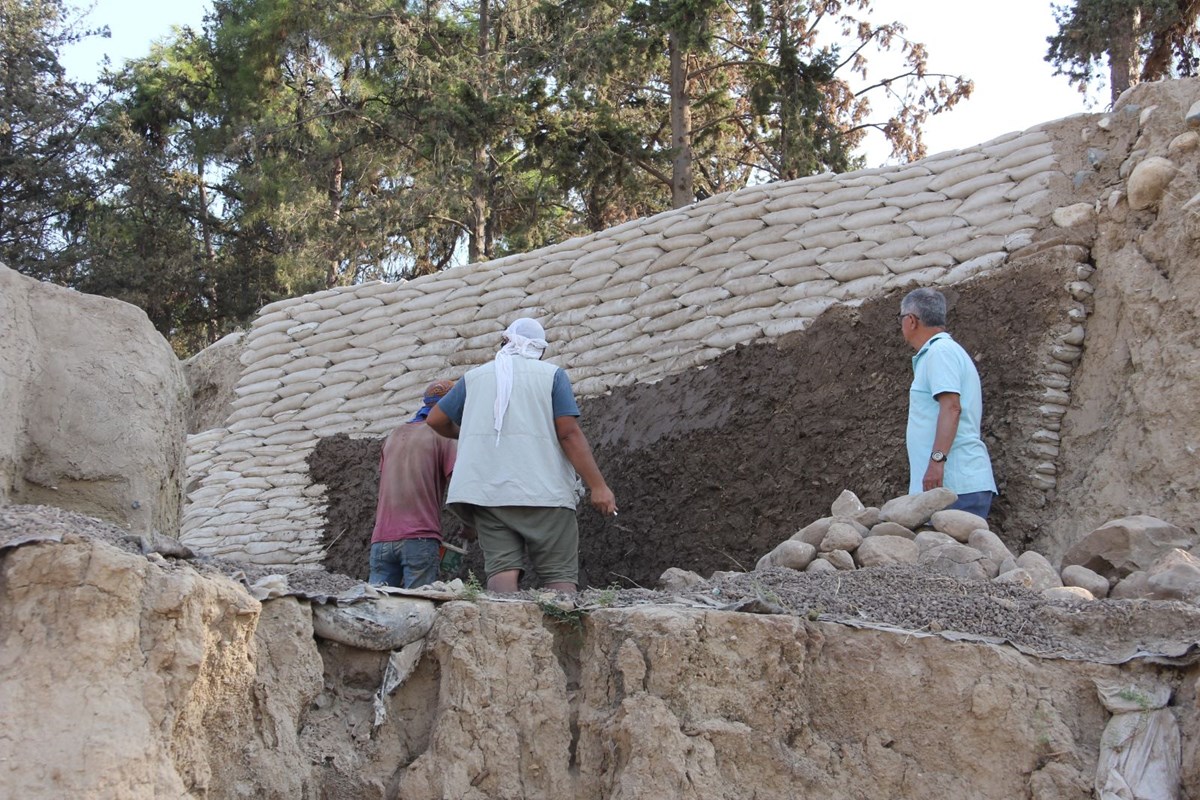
<point>977,503</point>
<point>406,563</point>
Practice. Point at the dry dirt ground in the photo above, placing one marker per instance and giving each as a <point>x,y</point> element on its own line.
<point>903,598</point>
<point>714,467</point>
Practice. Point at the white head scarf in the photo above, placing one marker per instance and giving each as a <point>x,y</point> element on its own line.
<point>525,337</point>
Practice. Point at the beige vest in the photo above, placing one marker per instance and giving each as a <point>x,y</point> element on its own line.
<point>527,467</point>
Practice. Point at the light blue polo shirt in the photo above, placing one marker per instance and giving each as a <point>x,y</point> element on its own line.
<point>942,365</point>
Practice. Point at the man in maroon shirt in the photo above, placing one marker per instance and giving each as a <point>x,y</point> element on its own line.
<point>414,471</point>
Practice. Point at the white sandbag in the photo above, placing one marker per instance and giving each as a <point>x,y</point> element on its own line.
<point>386,623</point>
<point>1140,755</point>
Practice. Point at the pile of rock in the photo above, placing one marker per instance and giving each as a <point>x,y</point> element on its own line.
<point>1138,557</point>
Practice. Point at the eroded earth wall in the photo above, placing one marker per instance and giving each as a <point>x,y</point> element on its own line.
<point>122,676</point>
<point>92,407</point>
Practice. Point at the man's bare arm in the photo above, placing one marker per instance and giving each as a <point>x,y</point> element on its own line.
<point>577,450</point>
<point>949,412</point>
<point>441,424</point>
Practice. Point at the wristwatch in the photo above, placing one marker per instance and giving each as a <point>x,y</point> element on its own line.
<point>938,456</point>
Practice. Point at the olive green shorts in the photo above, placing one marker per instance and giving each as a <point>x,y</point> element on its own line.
<point>506,533</point>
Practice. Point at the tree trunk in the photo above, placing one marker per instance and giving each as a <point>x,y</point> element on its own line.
<point>1158,60</point>
<point>477,245</point>
<point>682,193</point>
<point>335,214</point>
<point>1123,55</point>
<point>205,220</point>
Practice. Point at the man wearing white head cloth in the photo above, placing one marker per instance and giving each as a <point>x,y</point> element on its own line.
<point>519,449</point>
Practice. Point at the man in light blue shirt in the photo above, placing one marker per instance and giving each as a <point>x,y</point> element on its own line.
<point>945,406</point>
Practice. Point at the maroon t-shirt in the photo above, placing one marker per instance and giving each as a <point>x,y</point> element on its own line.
<point>414,471</point>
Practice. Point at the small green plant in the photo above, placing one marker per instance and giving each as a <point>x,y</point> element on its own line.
<point>1131,695</point>
<point>608,595</point>
<point>767,595</point>
<point>1041,727</point>
<point>572,617</point>
<point>471,587</point>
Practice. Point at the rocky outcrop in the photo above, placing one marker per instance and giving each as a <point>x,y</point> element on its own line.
<point>126,678</point>
<point>137,677</point>
<point>211,375</point>
<point>1129,440</point>
<point>94,406</point>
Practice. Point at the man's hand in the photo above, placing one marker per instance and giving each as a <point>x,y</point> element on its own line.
<point>604,501</point>
<point>934,475</point>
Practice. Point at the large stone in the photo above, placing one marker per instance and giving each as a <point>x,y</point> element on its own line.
<point>840,536</point>
<point>991,546</point>
<point>1175,576</point>
<point>94,407</point>
<point>1084,578</point>
<point>958,524</point>
<point>1149,181</point>
<point>1044,575</point>
<point>675,579</point>
<point>847,505</point>
<point>1067,593</point>
<point>1073,215</point>
<point>882,551</point>
<point>892,529</point>
<point>814,532</point>
<point>1016,576</point>
<point>1134,586</point>
<point>1122,546</point>
<point>820,565</point>
<point>791,554</point>
<point>840,559</point>
<point>914,510</point>
<point>956,560</point>
<point>929,539</point>
<point>868,517</point>
<point>212,375</point>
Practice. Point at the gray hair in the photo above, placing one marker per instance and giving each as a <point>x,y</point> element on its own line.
<point>928,304</point>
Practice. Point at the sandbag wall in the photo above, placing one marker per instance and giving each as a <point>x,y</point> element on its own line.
<point>634,303</point>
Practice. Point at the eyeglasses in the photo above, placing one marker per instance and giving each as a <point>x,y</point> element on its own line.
<point>902,316</point>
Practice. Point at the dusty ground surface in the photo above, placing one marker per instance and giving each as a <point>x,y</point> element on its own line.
<point>21,522</point>
<point>905,598</point>
<point>714,467</point>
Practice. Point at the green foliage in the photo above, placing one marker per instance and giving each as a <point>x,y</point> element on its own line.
<point>45,189</point>
<point>1132,695</point>
<point>472,590</point>
<point>608,595</point>
<point>1136,40</point>
<point>571,617</point>
<point>293,145</point>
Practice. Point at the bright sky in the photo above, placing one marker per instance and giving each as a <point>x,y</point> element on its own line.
<point>1000,46</point>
